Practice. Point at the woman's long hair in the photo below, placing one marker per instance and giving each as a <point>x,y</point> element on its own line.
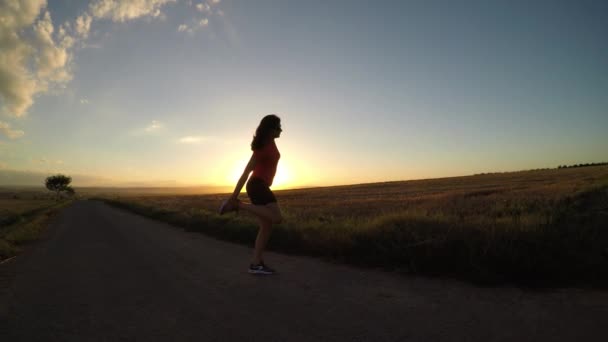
<point>264,131</point>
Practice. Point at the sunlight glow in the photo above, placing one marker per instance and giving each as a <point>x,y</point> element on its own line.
<point>282,178</point>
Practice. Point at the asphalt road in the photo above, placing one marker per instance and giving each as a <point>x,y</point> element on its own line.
<point>104,274</point>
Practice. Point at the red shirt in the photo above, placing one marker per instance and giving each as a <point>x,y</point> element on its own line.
<point>266,159</point>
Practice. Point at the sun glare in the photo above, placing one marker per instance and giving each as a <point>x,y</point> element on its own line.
<point>282,178</point>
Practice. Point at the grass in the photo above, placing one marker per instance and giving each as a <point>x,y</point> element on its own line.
<point>545,227</point>
<point>23,219</point>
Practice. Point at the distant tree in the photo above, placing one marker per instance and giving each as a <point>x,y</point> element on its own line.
<point>58,183</point>
<point>70,191</point>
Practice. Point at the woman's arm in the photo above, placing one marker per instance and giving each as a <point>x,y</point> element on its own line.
<point>239,185</point>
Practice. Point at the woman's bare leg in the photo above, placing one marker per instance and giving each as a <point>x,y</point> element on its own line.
<point>267,215</point>
<point>269,212</point>
<point>261,240</point>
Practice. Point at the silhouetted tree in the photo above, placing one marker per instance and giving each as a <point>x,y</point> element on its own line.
<point>58,183</point>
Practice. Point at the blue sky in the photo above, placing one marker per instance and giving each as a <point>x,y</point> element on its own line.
<point>167,92</point>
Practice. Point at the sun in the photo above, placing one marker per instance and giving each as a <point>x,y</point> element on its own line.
<point>282,178</point>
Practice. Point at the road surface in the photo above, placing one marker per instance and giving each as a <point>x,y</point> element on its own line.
<point>104,274</point>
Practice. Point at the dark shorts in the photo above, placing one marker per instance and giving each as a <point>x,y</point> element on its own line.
<point>259,193</point>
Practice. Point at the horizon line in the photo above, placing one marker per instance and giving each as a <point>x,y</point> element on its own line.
<point>310,186</point>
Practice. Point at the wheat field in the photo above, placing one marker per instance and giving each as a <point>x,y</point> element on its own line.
<point>525,227</point>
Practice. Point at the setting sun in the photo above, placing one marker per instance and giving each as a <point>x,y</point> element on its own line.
<point>282,178</point>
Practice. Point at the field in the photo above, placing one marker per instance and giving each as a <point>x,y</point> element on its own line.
<point>545,227</point>
<point>23,216</point>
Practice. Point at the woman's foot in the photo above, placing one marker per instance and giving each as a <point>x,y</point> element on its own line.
<point>260,269</point>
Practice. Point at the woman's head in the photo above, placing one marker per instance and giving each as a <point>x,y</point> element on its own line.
<point>269,128</point>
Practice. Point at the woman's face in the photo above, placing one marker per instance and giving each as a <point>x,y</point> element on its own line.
<point>277,131</point>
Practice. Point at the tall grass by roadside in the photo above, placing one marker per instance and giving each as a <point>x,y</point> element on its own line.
<point>23,221</point>
<point>537,228</point>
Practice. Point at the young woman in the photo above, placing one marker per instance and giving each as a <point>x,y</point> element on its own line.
<point>263,204</point>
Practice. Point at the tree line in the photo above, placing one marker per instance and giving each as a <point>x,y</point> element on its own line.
<point>580,165</point>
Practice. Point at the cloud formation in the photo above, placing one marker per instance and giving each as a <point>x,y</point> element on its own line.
<point>154,126</point>
<point>82,26</point>
<point>206,7</point>
<point>6,129</point>
<point>32,55</point>
<point>193,27</point>
<point>123,10</point>
<point>203,7</point>
<point>36,56</point>
<point>190,140</point>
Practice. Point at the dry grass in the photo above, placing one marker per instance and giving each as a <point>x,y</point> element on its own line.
<point>524,227</point>
<point>23,217</point>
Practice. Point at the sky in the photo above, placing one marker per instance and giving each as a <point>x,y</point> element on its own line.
<point>169,92</point>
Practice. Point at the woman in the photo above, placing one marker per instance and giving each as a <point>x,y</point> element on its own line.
<point>263,204</point>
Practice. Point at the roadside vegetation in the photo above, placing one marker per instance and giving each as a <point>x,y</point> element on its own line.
<point>530,228</point>
<point>25,214</point>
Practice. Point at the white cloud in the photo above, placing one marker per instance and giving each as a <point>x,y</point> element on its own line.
<point>82,26</point>
<point>52,59</point>
<point>31,59</point>
<point>190,29</point>
<point>154,126</point>
<point>123,10</point>
<point>36,56</point>
<point>203,7</point>
<point>9,132</point>
<point>191,140</point>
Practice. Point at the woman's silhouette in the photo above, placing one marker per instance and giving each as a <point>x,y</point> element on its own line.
<point>263,204</point>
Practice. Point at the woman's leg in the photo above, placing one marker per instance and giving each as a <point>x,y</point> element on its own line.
<point>267,215</point>
<point>269,212</point>
<point>261,240</point>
